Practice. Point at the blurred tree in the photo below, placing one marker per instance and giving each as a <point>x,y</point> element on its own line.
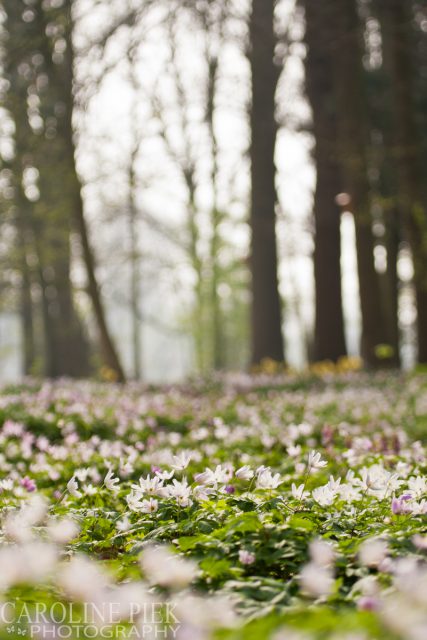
<point>329,338</point>
<point>353,131</point>
<point>397,20</point>
<point>267,338</point>
<point>41,215</point>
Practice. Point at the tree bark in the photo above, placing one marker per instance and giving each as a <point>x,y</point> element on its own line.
<point>352,127</point>
<point>329,337</point>
<point>108,348</point>
<point>266,317</point>
<point>66,349</point>
<point>396,18</point>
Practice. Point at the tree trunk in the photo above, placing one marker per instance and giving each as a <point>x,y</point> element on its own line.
<point>396,18</point>
<point>108,348</point>
<point>26,309</point>
<point>329,337</point>
<point>135,285</point>
<point>66,349</point>
<point>267,339</point>
<point>218,355</point>
<point>352,132</point>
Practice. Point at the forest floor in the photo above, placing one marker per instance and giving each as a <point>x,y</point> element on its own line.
<point>286,507</point>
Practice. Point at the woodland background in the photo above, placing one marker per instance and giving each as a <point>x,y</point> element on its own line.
<point>189,186</point>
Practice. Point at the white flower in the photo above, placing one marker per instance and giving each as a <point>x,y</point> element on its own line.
<point>181,461</point>
<point>246,557</point>
<point>266,480</point>
<point>72,487</point>
<point>334,484</point>
<point>180,491</point>
<point>323,495</point>
<point>202,493</point>
<point>223,474</point>
<point>17,525</point>
<point>6,484</point>
<point>418,508</point>
<point>199,616</point>
<point>151,486</point>
<point>149,506</point>
<point>315,461</point>
<point>82,579</point>
<point>33,563</point>
<point>372,552</point>
<point>123,525</point>
<point>206,477</point>
<point>111,482</point>
<point>349,493</point>
<point>165,475</point>
<point>417,486</point>
<point>316,581</point>
<point>134,501</point>
<point>244,473</point>
<point>322,553</point>
<point>298,492</point>
<point>420,541</point>
<point>81,474</point>
<point>166,569</point>
<point>90,490</point>
<point>63,531</point>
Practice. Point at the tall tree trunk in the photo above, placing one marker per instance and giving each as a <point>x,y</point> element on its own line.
<point>26,310</point>
<point>135,284</point>
<point>267,339</point>
<point>329,337</point>
<point>396,18</point>
<point>392,244</point>
<point>218,355</point>
<point>108,348</point>
<point>67,349</point>
<point>352,133</point>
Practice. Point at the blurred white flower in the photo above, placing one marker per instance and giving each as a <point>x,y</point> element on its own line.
<point>111,482</point>
<point>124,524</point>
<point>163,568</point>
<point>322,553</point>
<point>246,557</point>
<point>266,480</point>
<point>298,492</point>
<point>324,495</point>
<point>315,460</point>
<point>63,531</point>
<point>73,487</point>
<point>29,563</point>
<point>420,541</point>
<point>244,473</point>
<point>203,614</point>
<point>82,579</point>
<point>316,581</point>
<point>181,461</point>
<point>372,552</point>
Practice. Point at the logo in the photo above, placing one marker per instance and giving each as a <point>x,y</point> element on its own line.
<point>110,620</point>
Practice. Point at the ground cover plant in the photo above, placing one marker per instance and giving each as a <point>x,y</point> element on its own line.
<point>285,507</point>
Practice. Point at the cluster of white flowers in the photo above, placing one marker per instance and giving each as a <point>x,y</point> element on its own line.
<point>28,560</point>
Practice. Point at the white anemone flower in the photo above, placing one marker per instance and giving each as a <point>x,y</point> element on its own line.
<point>163,568</point>
<point>73,487</point>
<point>315,460</point>
<point>111,482</point>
